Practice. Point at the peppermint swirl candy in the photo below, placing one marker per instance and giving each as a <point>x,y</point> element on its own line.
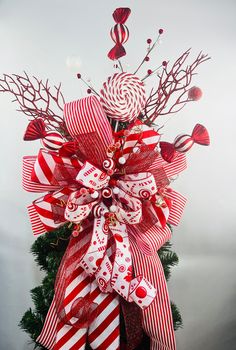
<point>108,164</point>
<point>144,193</point>
<point>107,192</point>
<point>123,97</point>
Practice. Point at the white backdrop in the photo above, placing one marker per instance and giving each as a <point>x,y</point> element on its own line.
<point>38,36</point>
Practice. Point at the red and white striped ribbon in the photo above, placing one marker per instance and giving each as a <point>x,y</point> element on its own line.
<point>50,210</point>
<point>88,124</point>
<point>178,165</point>
<point>51,169</point>
<point>178,203</point>
<point>140,134</point>
<point>150,241</point>
<point>56,335</point>
<point>157,318</point>
<point>27,183</point>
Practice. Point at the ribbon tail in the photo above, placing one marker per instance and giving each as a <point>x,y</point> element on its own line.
<point>152,240</point>
<point>47,336</point>
<point>156,323</point>
<point>37,226</point>
<point>104,331</point>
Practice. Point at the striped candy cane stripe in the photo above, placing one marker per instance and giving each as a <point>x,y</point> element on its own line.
<point>79,283</point>
<point>51,169</point>
<point>104,332</point>
<point>27,183</point>
<point>44,206</point>
<point>65,337</point>
<point>140,133</point>
<point>86,117</point>
<point>157,318</point>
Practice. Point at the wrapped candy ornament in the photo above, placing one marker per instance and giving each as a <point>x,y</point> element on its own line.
<point>113,188</point>
<point>119,33</point>
<point>51,140</point>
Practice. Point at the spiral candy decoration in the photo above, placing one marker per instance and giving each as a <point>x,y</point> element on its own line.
<point>123,97</point>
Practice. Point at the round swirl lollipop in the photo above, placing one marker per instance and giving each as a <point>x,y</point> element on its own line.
<point>123,97</point>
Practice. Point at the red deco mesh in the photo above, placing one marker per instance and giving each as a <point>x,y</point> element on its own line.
<point>89,148</point>
<point>68,267</point>
<point>141,160</point>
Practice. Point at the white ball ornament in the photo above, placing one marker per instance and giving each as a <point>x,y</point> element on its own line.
<point>113,208</point>
<point>95,195</point>
<point>121,160</point>
<point>116,190</point>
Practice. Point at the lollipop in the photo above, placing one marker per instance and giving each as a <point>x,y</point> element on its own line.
<point>123,97</point>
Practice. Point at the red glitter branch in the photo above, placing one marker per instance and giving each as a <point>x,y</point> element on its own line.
<point>36,99</point>
<point>172,92</point>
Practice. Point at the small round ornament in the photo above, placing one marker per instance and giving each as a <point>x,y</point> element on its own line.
<point>94,194</point>
<point>122,160</point>
<point>195,93</point>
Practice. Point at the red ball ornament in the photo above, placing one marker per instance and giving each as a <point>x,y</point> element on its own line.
<point>149,41</point>
<point>149,72</point>
<point>112,182</point>
<point>126,132</point>
<point>141,292</point>
<point>79,76</point>
<point>195,93</point>
<point>83,190</point>
<point>160,31</point>
<point>147,58</point>
<point>110,172</point>
<point>89,91</point>
<point>164,63</point>
<point>118,237</point>
<point>75,233</point>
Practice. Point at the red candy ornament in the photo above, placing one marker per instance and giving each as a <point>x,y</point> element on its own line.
<point>35,130</point>
<point>119,33</point>
<point>183,143</point>
<point>51,140</point>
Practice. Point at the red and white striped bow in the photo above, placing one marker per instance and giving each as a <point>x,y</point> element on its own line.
<point>121,210</point>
